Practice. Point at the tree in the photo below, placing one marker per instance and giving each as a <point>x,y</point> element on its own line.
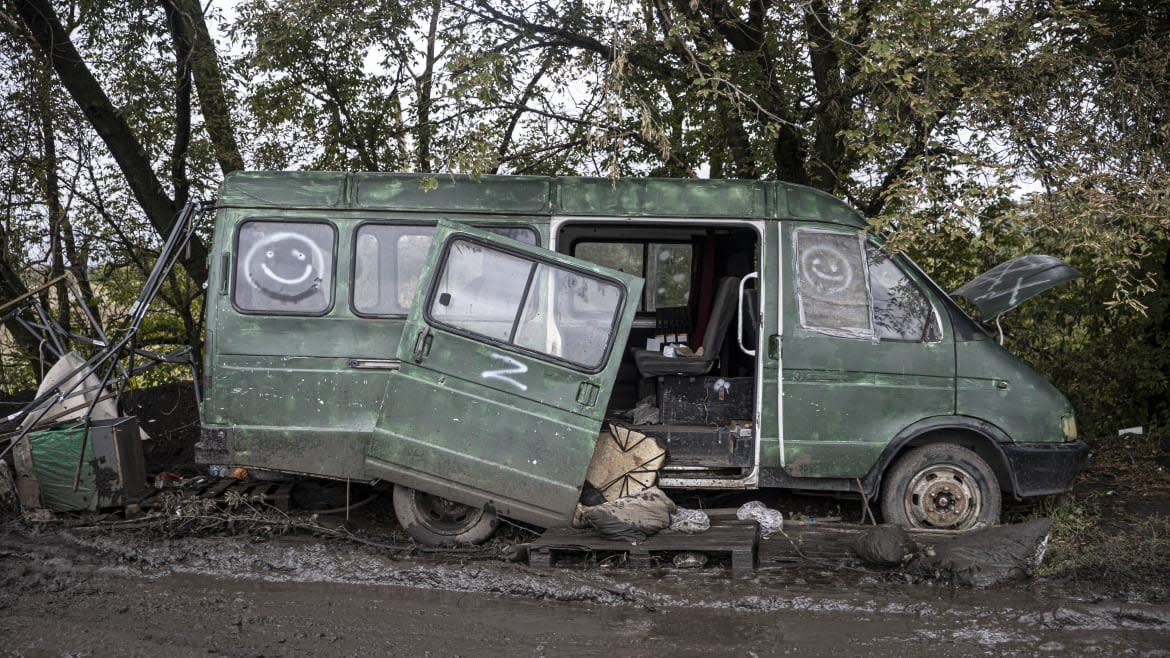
<point>127,44</point>
<point>966,131</point>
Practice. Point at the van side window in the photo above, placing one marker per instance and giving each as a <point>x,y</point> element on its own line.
<point>565,314</point>
<point>831,283</point>
<point>388,259</point>
<point>387,262</point>
<point>666,267</point>
<point>284,267</point>
<point>900,310</point>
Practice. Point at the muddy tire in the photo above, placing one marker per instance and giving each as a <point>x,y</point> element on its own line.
<point>436,521</point>
<point>941,486</point>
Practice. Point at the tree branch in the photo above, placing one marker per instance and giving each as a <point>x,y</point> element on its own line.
<point>75,76</point>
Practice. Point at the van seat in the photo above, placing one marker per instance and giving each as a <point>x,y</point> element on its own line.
<point>654,364</point>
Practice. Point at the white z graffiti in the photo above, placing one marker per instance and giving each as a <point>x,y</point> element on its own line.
<point>503,373</point>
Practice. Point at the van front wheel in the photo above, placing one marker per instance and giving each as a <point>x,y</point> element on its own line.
<point>941,486</point>
<point>437,521</point>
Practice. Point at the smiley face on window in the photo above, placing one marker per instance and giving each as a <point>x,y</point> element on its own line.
<point>826,269</point>
<point>285,265</point>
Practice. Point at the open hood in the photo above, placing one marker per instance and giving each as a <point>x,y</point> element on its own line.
<point>1013,282</point>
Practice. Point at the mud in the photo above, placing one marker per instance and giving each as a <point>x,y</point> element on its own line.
<point>238,588</point>
<point>78,592</point>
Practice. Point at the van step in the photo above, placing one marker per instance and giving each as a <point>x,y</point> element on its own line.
<point>738,540</point>
<point>702,445</point>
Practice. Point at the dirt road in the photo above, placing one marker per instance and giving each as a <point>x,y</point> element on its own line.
<point>75,593</point>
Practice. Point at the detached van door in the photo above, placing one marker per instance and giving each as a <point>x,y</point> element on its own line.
<point>504,371</point>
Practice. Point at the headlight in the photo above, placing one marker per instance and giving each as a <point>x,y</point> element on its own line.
<point>1069,425</point>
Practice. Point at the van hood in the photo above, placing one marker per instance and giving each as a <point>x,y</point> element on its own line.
<point>1013,282</point>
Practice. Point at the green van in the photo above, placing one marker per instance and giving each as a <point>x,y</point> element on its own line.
<point>466,339</point>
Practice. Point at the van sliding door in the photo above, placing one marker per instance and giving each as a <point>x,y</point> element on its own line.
<point>505,368</point>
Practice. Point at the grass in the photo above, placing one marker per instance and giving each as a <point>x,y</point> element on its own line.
<point>1112,533</point>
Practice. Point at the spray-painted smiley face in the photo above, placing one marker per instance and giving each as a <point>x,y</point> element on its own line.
<point>285,265</point>
<point>826,269</point>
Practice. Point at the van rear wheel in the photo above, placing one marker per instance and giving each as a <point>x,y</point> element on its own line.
<point>941,486</point>
<point>437,521</point>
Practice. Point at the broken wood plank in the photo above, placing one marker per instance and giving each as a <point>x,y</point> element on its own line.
<point>216,490</point>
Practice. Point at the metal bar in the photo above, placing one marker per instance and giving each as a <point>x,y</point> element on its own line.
<point>93,323</point>
<point>33,328</point>
<point>739,315</point>
<point>49,334</point>
<point>88,417</point>
<point>32,293</point>
<point>180,234</point>
<point>196,384</point>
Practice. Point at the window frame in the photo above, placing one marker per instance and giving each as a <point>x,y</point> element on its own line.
<point>899,260</point>
<point>534,260</point>
<point>871,335</point>
<point>235,265</point>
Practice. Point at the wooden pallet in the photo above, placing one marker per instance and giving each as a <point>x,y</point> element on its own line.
<point>740,541</point>
<point>273,494</point>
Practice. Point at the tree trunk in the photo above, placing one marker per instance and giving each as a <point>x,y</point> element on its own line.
<point>13,287</point>
<point>832,107</point>
<point>204,65</point>
<point>180,38</point>
<point>51,190</point>
<point>425,85</point>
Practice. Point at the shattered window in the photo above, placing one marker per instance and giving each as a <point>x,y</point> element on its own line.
<point>540,307</point>
<point>389,258</point>
<point>284,267</point>
<point>831,283</point>
<point>900,310</point>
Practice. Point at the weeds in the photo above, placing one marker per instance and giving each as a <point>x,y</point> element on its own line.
<point>1114,531</point>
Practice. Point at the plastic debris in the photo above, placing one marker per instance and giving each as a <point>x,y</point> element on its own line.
<point>645,413</point>
<point>689,521</point>
<point>771,521</point>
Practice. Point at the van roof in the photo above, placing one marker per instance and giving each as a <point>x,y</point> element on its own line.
<point>534,195</point>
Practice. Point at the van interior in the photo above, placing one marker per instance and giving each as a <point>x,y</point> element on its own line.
<point>692,302</point>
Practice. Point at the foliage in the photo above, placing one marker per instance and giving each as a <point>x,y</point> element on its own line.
<point>969,132</point>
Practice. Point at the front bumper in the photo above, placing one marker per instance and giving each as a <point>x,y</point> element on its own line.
<point>1041,469</point>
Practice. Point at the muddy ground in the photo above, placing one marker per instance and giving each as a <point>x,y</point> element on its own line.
<point>250,581</point>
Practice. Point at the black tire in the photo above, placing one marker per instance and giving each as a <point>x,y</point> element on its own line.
<point>941,486</point>
<point>436,521</point>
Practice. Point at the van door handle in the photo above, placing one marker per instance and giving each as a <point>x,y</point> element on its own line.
<point>374,364</point>
<point>587,394</point>
<point>422,344</point>
<point>739,330</point>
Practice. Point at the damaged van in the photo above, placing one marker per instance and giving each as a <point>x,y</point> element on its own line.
<point>467,340</point>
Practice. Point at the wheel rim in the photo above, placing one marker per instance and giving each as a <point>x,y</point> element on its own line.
<point>943,496</point>
<point>443,516</point>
